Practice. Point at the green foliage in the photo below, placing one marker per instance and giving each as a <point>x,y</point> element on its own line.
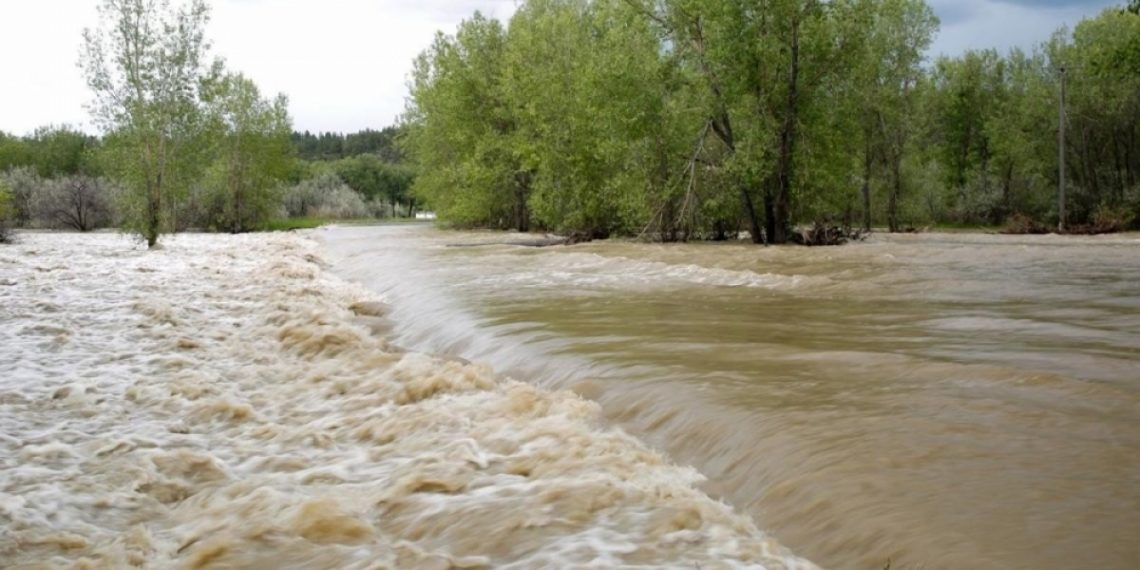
<point>7,213</point>
<point>376,180</point>
<point>14,152</point>
<point>335,146</point>
<point>145,64</point>
<point>251,153</point>
<point>22,183</point>
<point>324,196</point>
<point>51,151</point>
<point>460,129</point>
<point>702,117</point>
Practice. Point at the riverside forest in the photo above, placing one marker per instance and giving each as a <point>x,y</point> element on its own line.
<point>665,120</point>
<point>230,338</point>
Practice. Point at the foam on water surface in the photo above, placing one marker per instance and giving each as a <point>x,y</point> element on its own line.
<point>217,404</point>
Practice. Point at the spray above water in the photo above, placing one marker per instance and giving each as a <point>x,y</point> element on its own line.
<point>219,404</point>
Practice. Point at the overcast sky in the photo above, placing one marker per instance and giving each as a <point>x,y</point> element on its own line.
<point>344,63</point>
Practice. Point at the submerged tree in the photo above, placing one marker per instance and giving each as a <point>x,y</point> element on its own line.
<point>145,63</point>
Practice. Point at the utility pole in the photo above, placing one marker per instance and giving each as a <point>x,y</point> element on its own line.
<point>1061,159</point>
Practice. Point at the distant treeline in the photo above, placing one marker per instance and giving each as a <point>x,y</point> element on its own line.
<point>57,177</point>
<point>682,119</point>
<point>334,146</point>
<point>187,143</point>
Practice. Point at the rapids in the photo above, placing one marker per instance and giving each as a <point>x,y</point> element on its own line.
<point>941,401</point>
<point>228,402</point>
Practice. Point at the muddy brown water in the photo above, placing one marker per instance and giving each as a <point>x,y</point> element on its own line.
<point>224,402</point>
<point>941,400</point>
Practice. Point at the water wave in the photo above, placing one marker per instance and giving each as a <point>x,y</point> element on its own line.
<point>590,270</point>
<point>226,403</point>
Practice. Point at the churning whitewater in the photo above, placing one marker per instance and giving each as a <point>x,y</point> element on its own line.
<point>225,402</point>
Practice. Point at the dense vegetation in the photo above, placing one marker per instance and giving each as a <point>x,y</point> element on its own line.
<point>667,119</point>
<point>701,118</point>
<point>187,144</point>
<point>236,189</point>
<point>335,146</point>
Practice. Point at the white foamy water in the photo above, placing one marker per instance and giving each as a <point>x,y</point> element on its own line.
<point>226,403</point>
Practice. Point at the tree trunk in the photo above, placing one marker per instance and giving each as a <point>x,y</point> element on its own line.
<point>893,196</point>
<point>1007,189</point>
<point>522,211</point>
<point>154,211</point>
<point>1117,162</point>
<point>867,159</point>
<point>1129,150</point>
<point>786,165</point>
<point>769,215</point>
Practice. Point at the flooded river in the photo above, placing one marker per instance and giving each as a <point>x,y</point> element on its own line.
<point>941,401</point>
<point>227,403</point>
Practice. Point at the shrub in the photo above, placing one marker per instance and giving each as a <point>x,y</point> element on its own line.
<point>324,196</point>
<point>1019,223</point>
<point>22,183</point>
<point>81,203</point>
<point>7,213</point>
<point>1109,220</point>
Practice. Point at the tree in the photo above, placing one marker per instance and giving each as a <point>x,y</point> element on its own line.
<point>81,203</point>
<point>22,183</point>
<point>675,118</point>
<point>769,71</point>
<point>460,126</point>
<point>14,152</point>
<point>7,212</point>
<point>145,64</point>
<point>586,78</point>
<point>900,31</point>
<point>252,150</point>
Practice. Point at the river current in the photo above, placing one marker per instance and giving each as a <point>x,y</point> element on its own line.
<point>227,402</point>
<point>941,401</point>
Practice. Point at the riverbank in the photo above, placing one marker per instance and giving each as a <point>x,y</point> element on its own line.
<point>218,404</point>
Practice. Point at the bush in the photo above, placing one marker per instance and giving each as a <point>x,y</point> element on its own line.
<point>22,183</point>
<point>1019,223</point>
<point>7,213</point>
<point>79,203</point>
<point>324,196</point>
<point>1109,220</point>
